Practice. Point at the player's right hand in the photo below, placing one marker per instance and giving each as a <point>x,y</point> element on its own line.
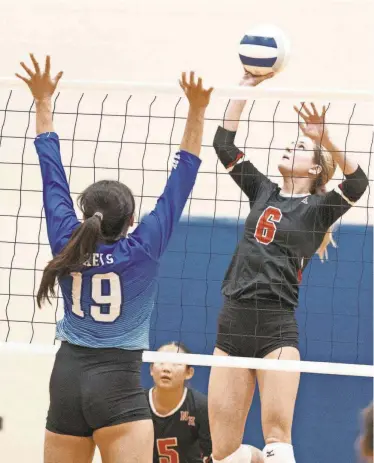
<point>314,125</point>
<point>250,80</point>
<point>40,83</point>
<point>197,96</point>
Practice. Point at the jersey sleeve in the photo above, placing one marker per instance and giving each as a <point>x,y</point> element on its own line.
<point>58,205</point>
<point>155,229</point>
<point>205,442</point>
<point>244,173</point>
<point>337,202</point>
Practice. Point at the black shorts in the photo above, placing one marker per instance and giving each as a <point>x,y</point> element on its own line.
<point>248,331</point>
<point>93,388</point>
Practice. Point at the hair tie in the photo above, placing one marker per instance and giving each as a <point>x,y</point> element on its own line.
<point>100,215</point>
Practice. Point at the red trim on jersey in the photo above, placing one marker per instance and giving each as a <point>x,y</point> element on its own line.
<point>238,157</point>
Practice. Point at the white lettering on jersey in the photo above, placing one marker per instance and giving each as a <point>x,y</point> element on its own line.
<point>97,259</point>
<point>185,416</point>
<point>176,160</point>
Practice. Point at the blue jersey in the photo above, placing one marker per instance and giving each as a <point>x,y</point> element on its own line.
<point>109,303</point>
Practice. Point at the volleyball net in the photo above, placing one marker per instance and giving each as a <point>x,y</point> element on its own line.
<point>130,132</point>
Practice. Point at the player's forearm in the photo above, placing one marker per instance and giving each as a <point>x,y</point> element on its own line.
<point>193,132</point>
<point>44,122</point>
<point>233,113</point>
<point>346,162</point>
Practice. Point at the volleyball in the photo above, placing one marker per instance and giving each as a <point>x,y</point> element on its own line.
<point>264,49</point>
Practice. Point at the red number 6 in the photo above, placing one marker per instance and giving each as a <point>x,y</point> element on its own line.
<point>266,228</point>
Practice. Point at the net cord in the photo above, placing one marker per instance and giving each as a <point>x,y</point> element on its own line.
<point>326,368</point>
<point>232,92</point>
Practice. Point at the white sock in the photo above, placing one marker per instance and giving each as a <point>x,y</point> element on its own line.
<point>242,455</point>
<point>279,453</point>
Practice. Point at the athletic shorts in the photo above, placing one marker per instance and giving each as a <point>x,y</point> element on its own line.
<point>247,331</point>
<point>93,388</point>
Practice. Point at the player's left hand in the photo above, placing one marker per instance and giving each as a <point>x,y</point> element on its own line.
<point>197,96</point>
<point>41,85</point>
<point>314,123</point>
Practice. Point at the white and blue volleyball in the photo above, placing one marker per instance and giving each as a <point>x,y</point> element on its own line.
<point>264,49</point>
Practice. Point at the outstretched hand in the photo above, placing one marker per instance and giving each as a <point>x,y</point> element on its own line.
<point>41,85</point>
<point>197,96</point>
<point>314,123</point>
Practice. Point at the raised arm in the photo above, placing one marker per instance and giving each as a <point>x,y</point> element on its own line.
<point>335,203</point>
<point>59,210</point>
<point>314,127</point>
<point>155,229</point>
<point>244,173</point>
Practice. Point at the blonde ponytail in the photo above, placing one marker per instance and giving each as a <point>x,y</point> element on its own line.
<point>327,239</point>
<point>324,159</point>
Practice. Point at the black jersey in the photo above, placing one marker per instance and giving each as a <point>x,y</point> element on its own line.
<point>281,232</point>
<point>183,435</point>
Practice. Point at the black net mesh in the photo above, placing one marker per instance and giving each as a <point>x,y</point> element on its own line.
<point>132,138</point>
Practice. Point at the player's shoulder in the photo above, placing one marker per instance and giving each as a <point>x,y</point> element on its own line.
<point>196,394</point>
<point>147,392</point>
<point>317,199</point>
<point>196,398</point>
<point>266,190</point>
<point>132,248</point>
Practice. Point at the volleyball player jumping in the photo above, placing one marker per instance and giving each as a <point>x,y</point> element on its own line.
<point>108,284</point>
<point>285,227</point>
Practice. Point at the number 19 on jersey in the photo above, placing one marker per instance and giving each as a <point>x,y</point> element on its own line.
<point>113,299</point>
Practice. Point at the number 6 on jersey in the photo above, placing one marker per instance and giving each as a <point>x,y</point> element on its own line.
<point>266,228</point>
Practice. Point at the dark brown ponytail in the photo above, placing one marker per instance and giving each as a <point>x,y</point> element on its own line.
<point>83,242</point>
<point>108,208</point>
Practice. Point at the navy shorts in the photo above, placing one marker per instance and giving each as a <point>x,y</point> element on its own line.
<point>93,388</point>
<point>245,330</point>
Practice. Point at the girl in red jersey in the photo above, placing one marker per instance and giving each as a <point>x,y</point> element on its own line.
<point>286,225</point>
<point>180,414</point>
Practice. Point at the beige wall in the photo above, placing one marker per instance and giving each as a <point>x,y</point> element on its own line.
<point>154,40</point>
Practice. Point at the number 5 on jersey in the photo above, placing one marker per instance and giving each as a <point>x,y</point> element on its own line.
<point>266,228</point>
<point>166,452</point>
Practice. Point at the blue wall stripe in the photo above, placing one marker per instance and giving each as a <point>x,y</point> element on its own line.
<point>260,62</point>
<point>335,318</point>
<point>256,40</point>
